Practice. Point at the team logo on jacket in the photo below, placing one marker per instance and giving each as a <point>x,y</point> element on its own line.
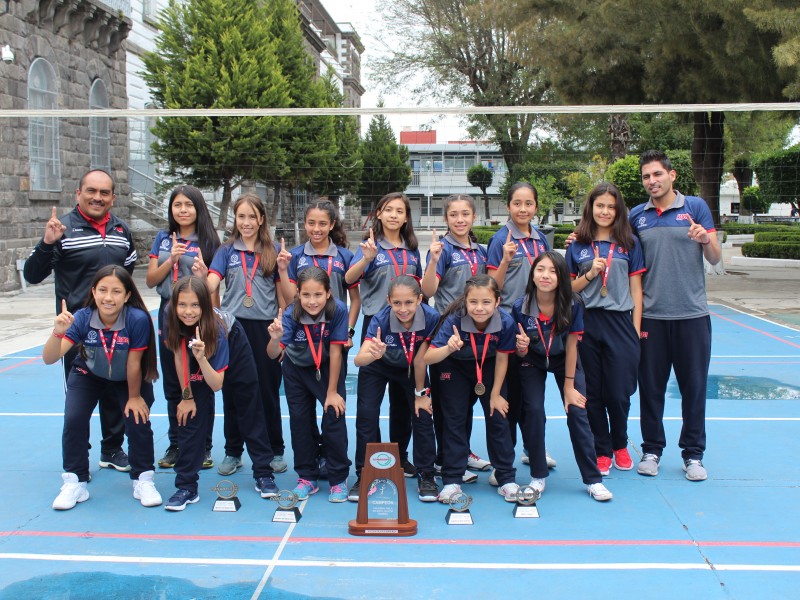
<point>92,336</point>
<point>380,259</point>
<point>682,217</point>
<point>302,262</point>
<point>531,323</point>
<point>165,244</point>
<point>457,258</point>
<point>234,260</point>
<point>642,221</point>
<point>389,340</point>
<point>118,229</point>
<point>444,376</point>
<point>300,336</point>
<point>584,253</point>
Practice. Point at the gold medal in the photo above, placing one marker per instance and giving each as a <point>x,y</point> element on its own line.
<point>480,389</point>
<point>604,291</point>
<point>248,301</point>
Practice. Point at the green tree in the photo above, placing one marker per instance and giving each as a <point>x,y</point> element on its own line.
<point>385,162</point>
<point>217,54</point>
<point>753,202</point>
<point>779,177</point>
<point>481,177</point>
<point>467,51</point>
<point>634,51</point>
<point>625,174</point>
<point>783,18</point>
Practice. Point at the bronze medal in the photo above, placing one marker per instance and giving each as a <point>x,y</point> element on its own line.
<point>248,301</point>
<point>187,393</point>
<point>480,389</point>
<point>604,291</point>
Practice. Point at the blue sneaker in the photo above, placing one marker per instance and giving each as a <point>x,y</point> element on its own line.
<point>266,487</point>
<point>181,498</point>
<point>338,492</point>
<point>305,488</point>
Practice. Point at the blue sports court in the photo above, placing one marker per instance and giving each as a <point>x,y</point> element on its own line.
<point>736,535</point>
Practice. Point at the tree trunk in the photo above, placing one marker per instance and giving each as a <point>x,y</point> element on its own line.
<point>743,174</point>
<point>276,204</point>
<point>708,154</point>
<point>620,133</point>
<point>486,207</point>
<point>224,206</point>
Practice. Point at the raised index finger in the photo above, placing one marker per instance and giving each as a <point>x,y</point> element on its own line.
<point>378,334</point>
<point>691,222</point>
<point>596,251</point>
<point>455,331</point>
<point>371,235</point>
<point>63,305</point>
<point>521,329</point>
<point>283,245</point>
<point>434,237</point>
<point>508,239</point>
<point>54,215</point>
<point>197,333</point>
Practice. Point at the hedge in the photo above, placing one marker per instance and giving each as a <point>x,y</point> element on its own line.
<point>771,250</point>
<point>737,229</point>
<point>779,236</point>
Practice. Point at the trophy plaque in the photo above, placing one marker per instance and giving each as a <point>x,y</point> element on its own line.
<point>287,511</point>
<point>526,503</point>
<point>382,500</point>
<point>226,497</point>
<point>458,513</point>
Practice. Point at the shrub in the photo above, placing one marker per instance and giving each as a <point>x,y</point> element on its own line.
<point>771,250</point>
<point>778,236</point>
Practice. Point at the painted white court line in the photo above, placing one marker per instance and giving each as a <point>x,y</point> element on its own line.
<point>742,312</point>
<point>630,566</point>
<point>275,558</point>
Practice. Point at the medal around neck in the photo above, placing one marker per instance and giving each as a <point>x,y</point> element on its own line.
<point>248,301</point>
<point>526,503</point>
<point>226,496</point>
<point>480,389</point>
<point>458,511</point>
<point>287,511</point>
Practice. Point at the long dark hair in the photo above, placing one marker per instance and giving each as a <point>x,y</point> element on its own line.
<point>519,186</point>
<point>562,313</point>
<point>209,324</point>
<point>458,306</point>
<point>264,245</point>
<point>319,275</point>
<point>406,231</point>
<point>207,237</point>
<point>461,198</point>
<point>338,235</point>
<point>621,230</point>
<point>149,368</point>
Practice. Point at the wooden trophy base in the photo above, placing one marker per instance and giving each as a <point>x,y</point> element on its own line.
<point>382,500</point>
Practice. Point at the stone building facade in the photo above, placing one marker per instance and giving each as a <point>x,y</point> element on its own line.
<point>66,55</point>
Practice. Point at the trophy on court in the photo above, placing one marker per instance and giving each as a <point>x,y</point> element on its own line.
<point>382,500</point>
<point>526,503</point>
<point>458,513</point>
<point>226,497</point>
<point>287,511</point>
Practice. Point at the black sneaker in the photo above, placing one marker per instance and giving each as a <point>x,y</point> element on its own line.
<point>428,490</point>
<point>115,460</point>
<point>208,461</point>
<point>170,457</point>
<point>323,468</point>
<point>354,491</point>
<point>180,499</point>
<point>266,487</point>
<point>409,470</point>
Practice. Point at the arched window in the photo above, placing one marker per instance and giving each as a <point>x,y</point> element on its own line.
<point>43,147</point>
<point>99,139</point>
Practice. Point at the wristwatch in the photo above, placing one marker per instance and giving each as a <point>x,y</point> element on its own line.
<point>423,393</point>
<point>351,332</point>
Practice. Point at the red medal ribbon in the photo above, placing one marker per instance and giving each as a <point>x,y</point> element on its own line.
<point>184,355</point>
<point>330,264</point>
<point>527,252</point>
<point>248,281</point>
<point>317,357</point>
<point>397,272</point>
<point>541,336</point>
<point>609,258</point>
<point>175,266</point>
<point>409,354</point>
<point>479,368</point>
<point>473,266</point>
<point>109,353</point>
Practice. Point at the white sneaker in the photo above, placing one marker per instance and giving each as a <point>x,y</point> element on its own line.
<point>551,462</point>
<point>509,491</point>
<point>72,492</point>
<point>538,484</point>
<point>469,477</point>
<point>476,462</point>
<point>599,492</point>
<point>448,491</point>
<point>144,490</point>
<point>493,478</point>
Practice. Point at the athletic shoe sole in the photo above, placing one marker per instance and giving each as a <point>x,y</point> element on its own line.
<point>179,507</point>
<point>110,465</point>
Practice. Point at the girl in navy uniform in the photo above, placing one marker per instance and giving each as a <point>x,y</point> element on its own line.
<point>472,344</point>
<point>512,251</point>
<point>196,335</point>
<point>118,355</point>
<point>326,248</point>
<point>606,265</point>
<point>182,249</point>
<point>388,251</point>
<point>248,264</point>
<point>549,318</point>
<point>311,335</point>
<point>451,261</point>
<point>394,351</point>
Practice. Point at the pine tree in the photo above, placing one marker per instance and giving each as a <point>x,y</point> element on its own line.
<point>386,167</point>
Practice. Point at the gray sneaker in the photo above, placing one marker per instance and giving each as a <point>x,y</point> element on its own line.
<point>695,471</point>
<point>229,465</point>
<point>648,465</point>
<point>278,464</point>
